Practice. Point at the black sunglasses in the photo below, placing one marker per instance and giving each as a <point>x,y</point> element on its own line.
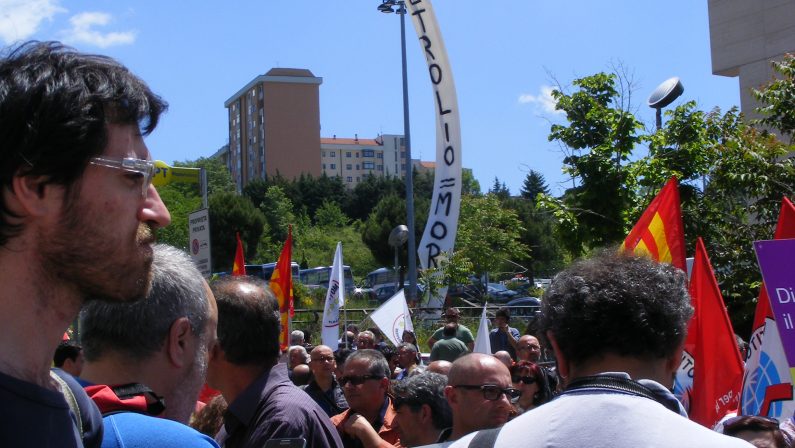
<point>357,379</point>
<point>492,392</point>
<point>524,379</point>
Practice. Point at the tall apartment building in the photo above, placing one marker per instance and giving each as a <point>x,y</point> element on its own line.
<point>745,35</point>
<point>353,158</point>
<point>274,126</point>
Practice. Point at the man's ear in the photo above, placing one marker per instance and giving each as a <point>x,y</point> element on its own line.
<point>563,363</point>
<point>178,344</point>
<point>33,195</point>
<point>426,414</point>
<point>450,394</point>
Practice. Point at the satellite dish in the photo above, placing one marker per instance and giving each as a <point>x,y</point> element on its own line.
<point>398,236</point>
<point>666,93</point>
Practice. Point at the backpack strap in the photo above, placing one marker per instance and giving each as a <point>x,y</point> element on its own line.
<point>485,438</point>
<point>71,400</point>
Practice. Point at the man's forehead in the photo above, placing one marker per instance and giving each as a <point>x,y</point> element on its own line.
<point>318,352</point>
<point>125,140</point>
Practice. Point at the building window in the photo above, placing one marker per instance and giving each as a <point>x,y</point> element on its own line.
<point>348,166</point>
<point>350,179</point>
<point>357,166</point>
<point>357,178</point>
<point>380,155</point>
<point>333,166</point>
<point>368,153</point>
<point>368,165</point>
<point>402,154</point>
<point>357,154</point>
<point>323,153</point>
<point>380,167</point>
<point>324,166</point>
<point>333,153</point>
<point>348,154</point>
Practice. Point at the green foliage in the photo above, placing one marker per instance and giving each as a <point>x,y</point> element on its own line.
<point>317,244</point>
<point>387,214</point>
<point>330,215</point>
<point>600,136</point>
<point>179,206</point>
<point>499,190</point>
<point>778,99</point>
<point>230,213</point>
<point>488,233</point>
<point>366,194</point>
<point>534,184</point>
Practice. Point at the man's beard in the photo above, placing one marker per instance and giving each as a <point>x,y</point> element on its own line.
<point>183,401</point>
<point>97,261</point>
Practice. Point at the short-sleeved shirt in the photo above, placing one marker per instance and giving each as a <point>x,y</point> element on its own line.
<point>448,349</point>
<point>499,340</point>
<point>31,415</point>
<point>273,407</point>
<point>462,333</point>
<point>131,429</point>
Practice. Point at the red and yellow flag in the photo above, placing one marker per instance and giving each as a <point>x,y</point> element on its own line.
<point>239,268</point>
<point>718,375</point>
<point>659,233</point>
<point>282,287</point>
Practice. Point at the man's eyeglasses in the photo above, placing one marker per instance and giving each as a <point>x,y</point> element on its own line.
<point>146,168</point>
<point>356,380</point>
<point>492,391</point>
<point>524,379</point>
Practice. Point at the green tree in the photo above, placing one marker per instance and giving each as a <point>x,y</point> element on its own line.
<point>488,234</point>
<point>231,213</point>
<point>778,99</point>
<point>600,136</point>
<point>387,214</point>
<point>330,215</point>
<point>534,184</point>
<point>499,190</point>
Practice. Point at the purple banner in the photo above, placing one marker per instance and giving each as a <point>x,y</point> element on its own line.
<point>776,260</point>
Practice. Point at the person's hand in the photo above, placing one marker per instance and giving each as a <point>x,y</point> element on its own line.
<point>355,425</point>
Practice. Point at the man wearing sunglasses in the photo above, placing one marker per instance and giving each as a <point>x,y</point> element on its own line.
<point>77,216</point>
<point>618,325</point>
<point>479,391</point>
<point>370,422</point>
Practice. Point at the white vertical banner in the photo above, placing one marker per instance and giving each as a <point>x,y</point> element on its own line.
<point>438,239</point>
<point>335,299</point>
<point>393,318</point>
<point>482,341</point>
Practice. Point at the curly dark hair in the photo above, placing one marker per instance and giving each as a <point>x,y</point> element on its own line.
<point>248,321</point>
<point>55,104</point>
<point>425,388</point>
<point>619,304</point>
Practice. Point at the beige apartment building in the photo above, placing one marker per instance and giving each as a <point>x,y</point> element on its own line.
<point>274,126</point>
<point>745,36</point>
<point>353,159</point>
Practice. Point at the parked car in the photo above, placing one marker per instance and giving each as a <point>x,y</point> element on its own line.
<point>498,292</point>
<point>385,292</point>
<point>524,306</point>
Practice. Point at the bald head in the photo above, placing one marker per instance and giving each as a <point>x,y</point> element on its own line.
<point>504,358</point>
<point>441,367</point>
<point>469,369</point>
<point>528,348</point>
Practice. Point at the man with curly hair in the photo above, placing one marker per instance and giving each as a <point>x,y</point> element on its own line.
<point>617,324</point>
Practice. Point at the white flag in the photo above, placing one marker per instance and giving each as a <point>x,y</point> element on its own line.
<point>482,342</point>
<point>335,299</point>
<point>393,318</point>
<point>439,236</point>
<point>767,386</point>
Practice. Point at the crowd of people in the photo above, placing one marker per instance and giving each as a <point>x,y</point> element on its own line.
<point>168,360</point>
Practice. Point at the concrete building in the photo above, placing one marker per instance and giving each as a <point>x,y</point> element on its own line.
<point>353,158</point>
<point>274,126</point>
<point>745,35</point>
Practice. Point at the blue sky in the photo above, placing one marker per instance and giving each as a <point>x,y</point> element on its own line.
<point>505,55</point>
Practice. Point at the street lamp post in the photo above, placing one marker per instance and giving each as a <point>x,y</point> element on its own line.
<point>387,6</point>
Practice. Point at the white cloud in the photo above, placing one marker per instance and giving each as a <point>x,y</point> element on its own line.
<point>20,19</point>
<point>83,31</point>
<point>543,100</point>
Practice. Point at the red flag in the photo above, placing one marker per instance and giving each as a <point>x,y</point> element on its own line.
<point>718,368</point>
<point>659,233</point>
<point>239,267</point>
<point>282,287</point>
